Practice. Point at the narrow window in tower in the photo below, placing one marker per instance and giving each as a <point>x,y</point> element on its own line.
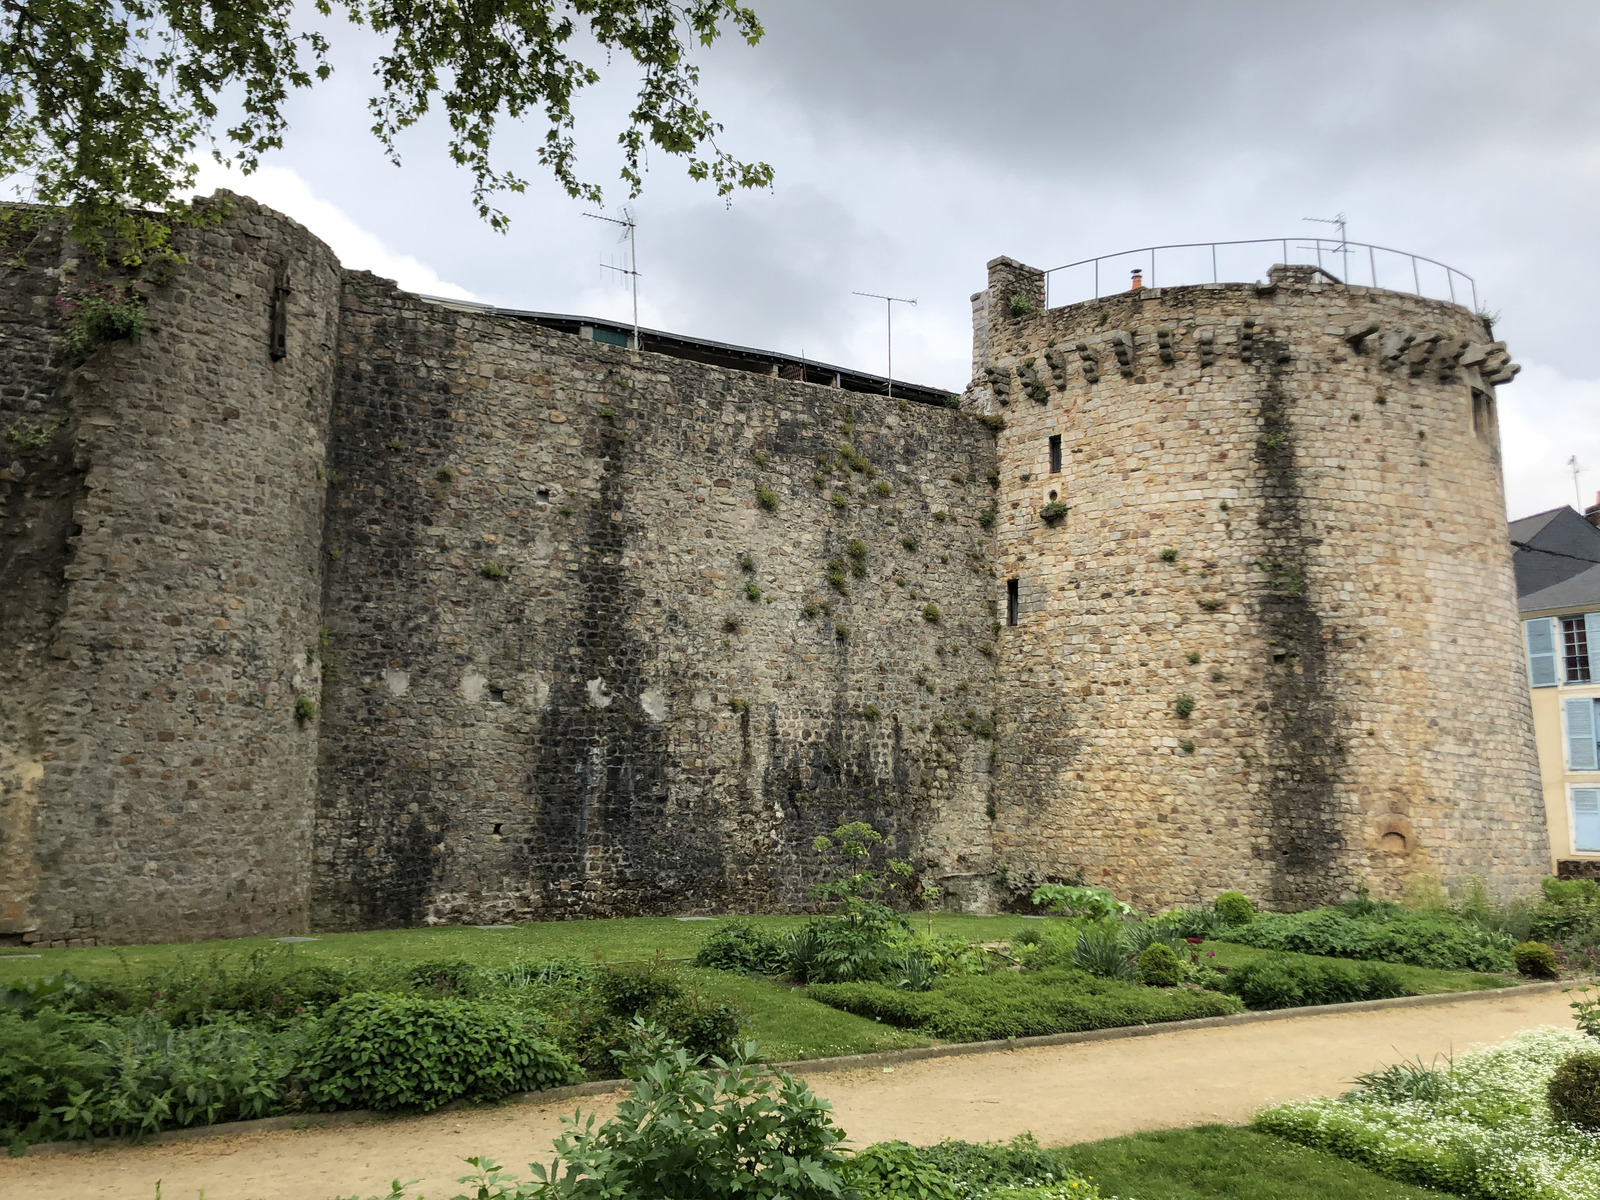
<point>1482,414</point>
<point>1013,605</point>
<point>1055,454</point>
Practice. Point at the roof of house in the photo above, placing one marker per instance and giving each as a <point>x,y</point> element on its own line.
<point>1557,561</point>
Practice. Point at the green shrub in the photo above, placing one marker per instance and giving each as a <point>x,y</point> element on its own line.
<point>766,498</point>
<point>1021,1004</point>
<point>42,1065</point>
<point>1069,901</point>
<point>979,1168</point>
<point>383,1052</point>
<point>1431,939</point>
<point>598,1027</point>
<point>1159,966</point>
<point>737,945</point>
<point>1574,1091</point>
<point>1569,914</point>
<point>1535,960</point>
<point>1280,981</point>
<point>694,1131</point>
<point>274,983</point>
<point>65,1076</point>
<point>1235,908</point>
<point>897,1171</point>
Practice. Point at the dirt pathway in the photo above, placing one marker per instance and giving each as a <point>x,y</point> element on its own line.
<point>1062,1093</point>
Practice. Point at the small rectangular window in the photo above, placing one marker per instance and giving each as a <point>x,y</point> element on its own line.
<point>1541,653</point>
<point>1586,820</point>
<point>1575,649</point>
<point>1013,605</point>
<point>1583,753</point>
<point>1055,454</point>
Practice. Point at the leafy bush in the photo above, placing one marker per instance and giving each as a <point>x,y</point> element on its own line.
<point>983,1168</point>
<point>1568,914</point>
<point>1101,949</point>
<point>272,983</point>
<point>689,1130</point>
<point>858,941</point>
<point>1026,1004</point>
<point>1092,902</point>
<point>1574,1091</point>
<point>380,1051</point>
<point>598,1024</point>
<point>1535,960</point>
<point>897,1171</point>
<point>737,945</point>
<point>1234,908</point>
<point>1280,981</point>
<point>1421,939</point>
<point>1159,966</point>
<point>65,1076</point>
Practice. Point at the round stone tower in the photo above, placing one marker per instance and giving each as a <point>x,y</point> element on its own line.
<point>160,604</point>
<point>1254,544</point>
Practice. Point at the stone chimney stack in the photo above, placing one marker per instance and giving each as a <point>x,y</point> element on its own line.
<point>1592,513</point>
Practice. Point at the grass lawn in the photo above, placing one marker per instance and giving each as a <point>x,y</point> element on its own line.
<point>620,939</point>
<point>788,1025</point>
<point>1219,1162</point>
<point>1419,981</point>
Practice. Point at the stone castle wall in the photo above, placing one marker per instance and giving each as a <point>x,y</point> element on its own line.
<point>578,630</point>
<point>161,591</point>
<point>1298,530</point>
<point>661,699</point>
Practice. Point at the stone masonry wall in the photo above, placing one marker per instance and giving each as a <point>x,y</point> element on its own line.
<point>576,667</point>
<point>156,783</point>
<point>1299,531</point>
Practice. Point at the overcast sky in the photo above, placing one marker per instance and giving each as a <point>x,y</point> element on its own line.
<point>915,139</point>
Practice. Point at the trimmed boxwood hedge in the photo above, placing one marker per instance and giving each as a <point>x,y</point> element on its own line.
<point>1012,1004</point>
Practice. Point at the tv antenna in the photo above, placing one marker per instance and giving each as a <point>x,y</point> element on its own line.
<point>888,314</point>
<point>1577,469</point>
<point>1343,249</point>
<point>629,223</point>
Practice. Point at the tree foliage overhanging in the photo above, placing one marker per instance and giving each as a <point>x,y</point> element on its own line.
<point>104,103</point>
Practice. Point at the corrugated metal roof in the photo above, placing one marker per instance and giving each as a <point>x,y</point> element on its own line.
<point>720,354</point>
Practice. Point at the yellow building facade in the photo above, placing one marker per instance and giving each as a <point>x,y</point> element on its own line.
<point>1557,558</point>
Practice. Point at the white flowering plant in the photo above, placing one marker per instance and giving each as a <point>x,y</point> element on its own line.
<point>1479,1125</point>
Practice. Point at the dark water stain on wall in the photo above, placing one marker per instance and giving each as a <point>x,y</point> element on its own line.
<point>1306,837</point>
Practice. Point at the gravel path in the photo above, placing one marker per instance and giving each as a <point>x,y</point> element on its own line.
<point>1063,1094</point>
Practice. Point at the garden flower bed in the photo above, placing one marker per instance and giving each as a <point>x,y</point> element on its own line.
<point>1479,1126</point>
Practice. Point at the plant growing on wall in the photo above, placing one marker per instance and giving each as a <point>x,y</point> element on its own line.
<point>1183,706</point>
<point>1053,512</point>
<point>97,315</point>
<point>766,498</point>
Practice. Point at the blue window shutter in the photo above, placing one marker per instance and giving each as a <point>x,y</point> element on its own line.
<point>1580,735</point>
<point>1586,819</point>
<point>1591,628</point>
<point>1541,653</point>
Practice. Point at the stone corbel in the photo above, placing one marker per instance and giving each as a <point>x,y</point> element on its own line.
<point>1091,363</point>
<point>1164,344</point>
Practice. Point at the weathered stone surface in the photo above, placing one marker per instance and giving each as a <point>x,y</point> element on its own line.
<point>1340,575</point>
<point>578,630</point>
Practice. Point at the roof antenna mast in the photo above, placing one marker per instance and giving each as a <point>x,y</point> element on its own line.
<point>629,223</point>
<point>888,313</point>
<point>1577,469</point>
<point>1342,249</point>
